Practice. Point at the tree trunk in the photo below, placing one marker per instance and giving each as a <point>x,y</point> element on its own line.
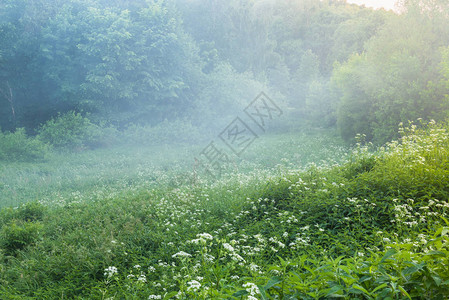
<point>8,95</point>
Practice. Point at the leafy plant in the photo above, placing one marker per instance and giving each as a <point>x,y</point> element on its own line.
<point>72,131</point>
<point>16,235</point>
<point>18,146</point>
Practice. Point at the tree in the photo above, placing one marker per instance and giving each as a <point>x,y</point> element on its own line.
<point>391,79</point>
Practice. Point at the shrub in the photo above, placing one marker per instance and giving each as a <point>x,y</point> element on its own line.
<point>416,166</point>
<point>73,131</point>
<point>18,146</point>
<point>28,212</point>
<point>17,234</point>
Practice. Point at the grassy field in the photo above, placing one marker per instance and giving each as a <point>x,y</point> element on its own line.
<point>298,217</point>
<point>111,172</point>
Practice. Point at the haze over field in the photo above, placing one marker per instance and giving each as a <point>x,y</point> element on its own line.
<point>208,149</point>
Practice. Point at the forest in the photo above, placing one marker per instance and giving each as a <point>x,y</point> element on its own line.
<point>123,64</point>
<point>325,125</point>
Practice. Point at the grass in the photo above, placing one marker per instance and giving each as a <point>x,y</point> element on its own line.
<point>366,228</point>
<point>111,172</point>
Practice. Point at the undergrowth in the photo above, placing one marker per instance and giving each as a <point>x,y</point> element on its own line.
<point>374,227</point>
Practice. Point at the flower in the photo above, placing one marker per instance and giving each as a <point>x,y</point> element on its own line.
<point>205,236</point>
<point>252,289</point>
<point>236,257</point>
<point>110,271</point>
<point>228,247</point>
<point>253,267</point>
<point>181,254</point>
<point>193,285</point>
<point>142,278</point>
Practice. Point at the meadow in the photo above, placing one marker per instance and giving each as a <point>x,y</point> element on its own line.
<point>110,111</point>
<point>299,216</point>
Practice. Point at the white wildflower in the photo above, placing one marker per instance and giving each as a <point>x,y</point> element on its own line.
<point>193,286</point>
<point>205,236</point>
<point>252,289</point>
<point>228,247</point>
<point>181,254</point>
<point>110,271</point>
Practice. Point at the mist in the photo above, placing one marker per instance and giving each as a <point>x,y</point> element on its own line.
<point>217,149</point>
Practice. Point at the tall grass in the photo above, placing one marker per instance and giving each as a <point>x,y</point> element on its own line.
<point>364,229</point>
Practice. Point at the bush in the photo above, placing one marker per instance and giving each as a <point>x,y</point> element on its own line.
<point>28,212</point>
<point>17,234</point>
<point>75,132</point>
<point>18,146</point>
<point>416,166</point>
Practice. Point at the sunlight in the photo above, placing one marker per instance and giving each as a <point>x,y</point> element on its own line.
<point>387,4</point>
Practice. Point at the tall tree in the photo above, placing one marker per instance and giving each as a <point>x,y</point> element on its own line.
<point>393,76</point>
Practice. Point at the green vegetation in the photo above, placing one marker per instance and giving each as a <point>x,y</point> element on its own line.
<point>18,146</point>
<point>134,63</point>
<point>108,173</point>
<point>371,227</point>
<point>73,131</point>
<point>105,107</point>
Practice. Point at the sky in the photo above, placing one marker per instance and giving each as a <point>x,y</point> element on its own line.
<point>387,4</point>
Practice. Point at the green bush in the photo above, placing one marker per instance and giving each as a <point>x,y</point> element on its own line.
<point>18,234</point>
<point>28,212</point>
<point>75,132</point>
<point>18,146</point>
<point>416,166</point>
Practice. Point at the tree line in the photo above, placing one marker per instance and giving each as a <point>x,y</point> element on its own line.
<point>141,62</point>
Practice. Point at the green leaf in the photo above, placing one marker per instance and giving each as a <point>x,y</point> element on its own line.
<point>360,288</point>
<point>379,287</point>
<point>263,293</point>
<point>170,295</point>
<point>240,293</point>
<point>404,292</point>
<point>412,269</point>
<point>387,255</point>
<point>445,231</point>
<point>272,282</point>
<point>437,280</point>
<point>436,253</point>
<point>335,289</point>
<point>365,278</point>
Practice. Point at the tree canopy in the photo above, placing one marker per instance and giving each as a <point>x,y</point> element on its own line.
<point>146,61</point>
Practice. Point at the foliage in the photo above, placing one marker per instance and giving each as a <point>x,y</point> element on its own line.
<point>72,131</point>
<point>395,80</point>
<point>364,229</point>
<point>28,212</point>
<point>18,146</point>
<point>16,235</point>
<point>124,61</point>
<point>142,221</point>
<point>144,62</point>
